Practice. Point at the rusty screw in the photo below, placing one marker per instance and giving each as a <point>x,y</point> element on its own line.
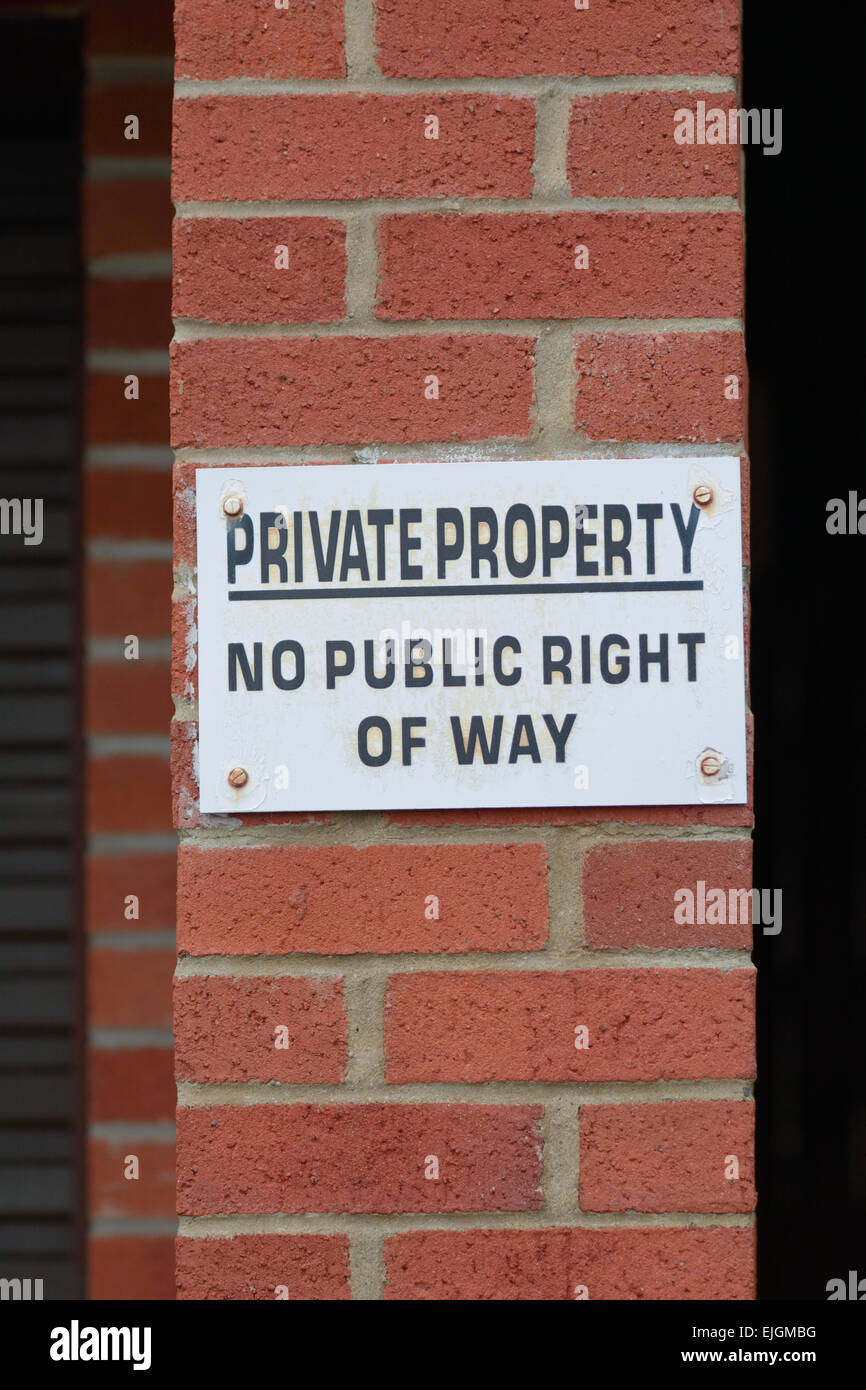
<point>233,506</point>
<point>703,494</point>
<point>711,765</point>
<point>238,777</point>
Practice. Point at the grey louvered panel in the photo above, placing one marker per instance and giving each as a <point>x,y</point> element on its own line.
<point>45,1238</point>
<point>56,626</point>
<point>37,255</point>
<point>43,672</point>
<point>23,390</point>
<point>47,345</point>
<point>28,716</point>
<point>30,1187</point>
<point>29,1051</point>
<point>41,1145</point>
<point>36,957</point>
<point>53,482</point>
<point>31,579</point>
<point>36,764</point>
<point>20,440</point>
<point>40,802</point>
<point>60,1278</point>
<point>44,1002</point>
<point>55,543</point>
<point>36,303</point>
<point>44,1097</point>
<point>40,813</point>
<point>44,863</point>
<point>36,907</point>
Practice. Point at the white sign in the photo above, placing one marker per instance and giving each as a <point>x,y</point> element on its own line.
<point>544,633</point>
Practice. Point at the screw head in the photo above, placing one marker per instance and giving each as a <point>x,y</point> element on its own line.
<point>233,506</point>
<point>703,494</point>
<point>238,777</point>
<point>711,765</point>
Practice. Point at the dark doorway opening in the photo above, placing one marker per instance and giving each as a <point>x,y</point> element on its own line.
<point>808,688</point>
<point>41,1090</point>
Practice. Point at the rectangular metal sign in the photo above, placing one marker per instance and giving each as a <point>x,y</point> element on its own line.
<point>544,633</point>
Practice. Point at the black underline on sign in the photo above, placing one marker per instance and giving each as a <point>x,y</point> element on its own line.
<point>655,586</point>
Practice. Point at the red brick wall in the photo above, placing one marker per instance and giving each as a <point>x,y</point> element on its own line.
<point>562,1172</point>
<point>127,466</point>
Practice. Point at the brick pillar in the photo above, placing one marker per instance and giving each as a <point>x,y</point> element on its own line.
<point>433,170</point>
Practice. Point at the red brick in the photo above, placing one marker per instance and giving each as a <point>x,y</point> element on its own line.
<point>128,503</point>
<point>109,418</point>
<point>669,1157</point>
<point>126,216</point>
<point>521,265</point>
<point>339,900</point>
<point>225,1029</point>
<point>139,1268</point>
<point>135,1085</point>
<point>109,881</point>
<point>128,697</point>
<point>184,651</point>
<point>745,494</point>
<point>308,1267</point>
<point>110,1195</point>
<point>659,386</point>
<point>493,38</point>
<point>351,146</point>
<point>139,31</point>
<point>128,313</point>
<point>128,597</point>
<point>358,1158</point>
<point>292,391</point>
<point>644,1025</point>
<point>128,793</point>
<point>621,145</point>
<point>251,38</point>
<point>224,269</point>
<point>184,503</point>
<point>621,1263</point>
<point>184,756</point>
<point>106,109</point>
<point>628,892</point>
<point>129,989</point>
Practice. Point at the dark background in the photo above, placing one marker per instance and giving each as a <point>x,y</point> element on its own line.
<point>41,1038</point>
<point>804,249</point>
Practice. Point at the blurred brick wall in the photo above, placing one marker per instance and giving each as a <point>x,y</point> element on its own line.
<point>127,469</point>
